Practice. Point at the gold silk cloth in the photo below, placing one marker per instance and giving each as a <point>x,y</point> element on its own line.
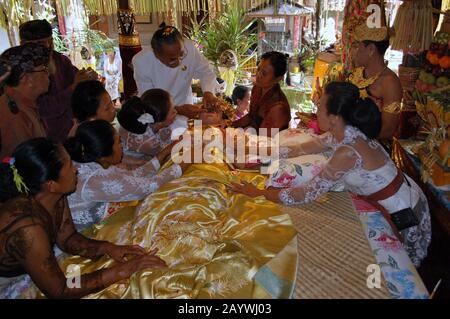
<point>214,241</point>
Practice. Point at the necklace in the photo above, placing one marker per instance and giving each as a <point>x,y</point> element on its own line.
<point>358,79</point>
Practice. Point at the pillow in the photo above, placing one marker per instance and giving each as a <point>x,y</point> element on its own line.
<point>296,171</point>
<point>294,136</point>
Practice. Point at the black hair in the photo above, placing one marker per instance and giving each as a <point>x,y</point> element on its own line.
<point>239,93</point>
<point>228,99</point>
<point>92,140</point>
<point>154,101</point>
<point>35,30</point>
<point>165,35</point>
<point>344,100</point>
<point>280,64</point>
<point>37,161</point>
<point>381,46</point>
<point>86,99</point>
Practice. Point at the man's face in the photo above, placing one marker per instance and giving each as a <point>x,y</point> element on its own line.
<point>171,54</point>
<point>38,79</point>
<point>361,54</point>
<point>46,42</point>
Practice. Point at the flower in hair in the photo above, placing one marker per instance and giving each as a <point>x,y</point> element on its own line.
<point>18,180</point>
<point>146,118</point>
<point>168,31</point>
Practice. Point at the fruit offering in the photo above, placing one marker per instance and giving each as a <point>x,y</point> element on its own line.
<point>436,70</point>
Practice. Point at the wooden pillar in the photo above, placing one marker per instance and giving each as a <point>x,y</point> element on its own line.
<point>60,17</point>
<point>172,16</point>
<point>129,45</point>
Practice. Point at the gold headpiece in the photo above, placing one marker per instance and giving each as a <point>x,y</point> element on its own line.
<point>168,30</point>
<point>363,32</point>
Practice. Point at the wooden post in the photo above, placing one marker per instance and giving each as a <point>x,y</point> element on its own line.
<point>172,16</point>
<point>129,45</point>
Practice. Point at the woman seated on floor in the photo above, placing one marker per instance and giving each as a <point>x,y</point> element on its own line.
<point>97,154</point>
<point>269,107</point>
<point>91,101</point>
<point>361,163</point>
<point>144,123</point>
<point>34,216</point>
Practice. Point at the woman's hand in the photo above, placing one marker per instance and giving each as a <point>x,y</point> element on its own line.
<point>145,261</point>
<point>246,189</point>
<point>119,252</point>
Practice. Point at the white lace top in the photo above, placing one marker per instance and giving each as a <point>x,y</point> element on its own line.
<point>147,144</point>
<point>348,165</point>
<point>98,186</point>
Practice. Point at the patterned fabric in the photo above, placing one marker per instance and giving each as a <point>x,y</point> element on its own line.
<point>26,57</point>
<point>402,279</point>
<point>147,144</point>
<point>98,186</point>
<point>296,171</point>
<point>347,166</point>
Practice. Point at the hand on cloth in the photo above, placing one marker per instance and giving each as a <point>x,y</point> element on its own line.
<point>146,260</point>
<point>119,252</point>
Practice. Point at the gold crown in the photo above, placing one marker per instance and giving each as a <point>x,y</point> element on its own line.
<point>363,32</point>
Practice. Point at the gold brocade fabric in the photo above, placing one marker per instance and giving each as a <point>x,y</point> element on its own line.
<point>393,108</point>
<point>357,78</point>
<point>214,241</point>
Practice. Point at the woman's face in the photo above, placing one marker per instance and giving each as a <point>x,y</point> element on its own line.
<point>171,115</point>
<point>322,113</point>
<point>67,181</point>
<point>117,154</point>
<point>265,76</point>
<point>106,110</point>
<point>245,102</point>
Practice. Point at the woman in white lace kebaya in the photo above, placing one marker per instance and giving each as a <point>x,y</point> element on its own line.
<point>97,152</point>
<point>359,162</point>
<point>144,123</point>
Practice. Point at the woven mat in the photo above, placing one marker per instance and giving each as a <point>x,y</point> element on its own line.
<point>333,251</point>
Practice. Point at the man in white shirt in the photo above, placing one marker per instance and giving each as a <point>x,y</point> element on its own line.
<point>171,65</point>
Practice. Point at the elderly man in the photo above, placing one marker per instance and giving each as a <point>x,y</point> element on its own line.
<point>27,81</point>
<point>171,65</point>
<point>54,106</point>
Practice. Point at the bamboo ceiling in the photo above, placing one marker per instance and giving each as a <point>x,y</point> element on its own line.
<point>142,7</point>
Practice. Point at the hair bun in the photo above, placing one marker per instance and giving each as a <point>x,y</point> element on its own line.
<point>162,25</point>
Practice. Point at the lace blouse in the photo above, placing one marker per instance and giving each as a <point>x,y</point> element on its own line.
<point>148,144</point>
<point>98,186</point>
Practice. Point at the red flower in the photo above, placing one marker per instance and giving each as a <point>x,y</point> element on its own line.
<point>7,160</point>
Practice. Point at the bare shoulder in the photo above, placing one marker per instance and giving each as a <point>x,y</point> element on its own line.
<point>391,78</point>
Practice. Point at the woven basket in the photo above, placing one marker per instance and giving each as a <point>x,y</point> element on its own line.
<point>408,76</point>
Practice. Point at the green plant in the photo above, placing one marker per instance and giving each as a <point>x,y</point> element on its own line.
<point>60,43</point>
<point>228,31</point>
<point>307,54</point>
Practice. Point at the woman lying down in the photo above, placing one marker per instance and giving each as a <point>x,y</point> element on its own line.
<point>34,216</point>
